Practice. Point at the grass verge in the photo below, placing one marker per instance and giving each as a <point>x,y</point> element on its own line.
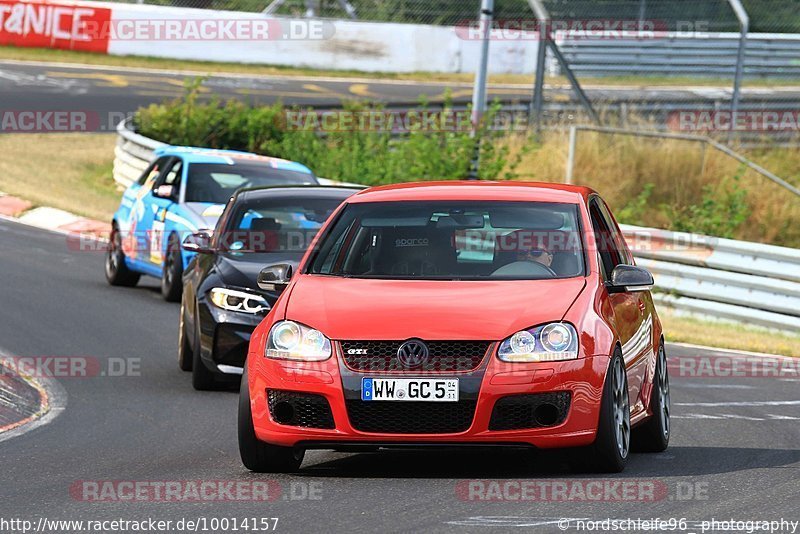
<point>209,67</point>
<point>686,329</point>
<point>70,171</point>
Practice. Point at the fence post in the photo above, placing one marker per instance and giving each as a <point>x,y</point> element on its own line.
<point>479,89</point>
<point>573,139</point>
<point>744,28</point>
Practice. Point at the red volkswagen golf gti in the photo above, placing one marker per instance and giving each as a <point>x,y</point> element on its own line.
<point>449,313</point>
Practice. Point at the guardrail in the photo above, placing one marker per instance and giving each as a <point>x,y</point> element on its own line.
<point>766,55</point>
<point>736,280</point>
<point>747,282</point>
<point>134,152</point>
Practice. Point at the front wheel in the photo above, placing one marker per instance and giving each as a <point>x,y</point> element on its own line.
<point>117,273</point>
<point>653,436</point>
<point>171,283</point>
<point>611,448</point>
<point>256,455</point>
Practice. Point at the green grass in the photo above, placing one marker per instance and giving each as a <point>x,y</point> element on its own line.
<point>208,67</point>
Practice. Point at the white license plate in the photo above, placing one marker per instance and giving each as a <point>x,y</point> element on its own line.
<point>410,389</point>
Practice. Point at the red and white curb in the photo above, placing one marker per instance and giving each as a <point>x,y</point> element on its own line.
<point>26,403</point>
<point>52,219</point>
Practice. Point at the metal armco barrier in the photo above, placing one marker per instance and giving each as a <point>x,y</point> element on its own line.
<point>767,55</point>
<point>748,282</point>
<point>134,153</point>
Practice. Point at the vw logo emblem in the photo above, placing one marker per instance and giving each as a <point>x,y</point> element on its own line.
<point>413,353</point>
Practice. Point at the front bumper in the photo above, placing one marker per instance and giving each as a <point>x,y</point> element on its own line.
<point>225,337</point>
<point>582,380</point>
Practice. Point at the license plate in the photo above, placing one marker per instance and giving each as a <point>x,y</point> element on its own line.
<point>409,389</point>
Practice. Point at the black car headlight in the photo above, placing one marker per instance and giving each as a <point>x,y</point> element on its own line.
<point>546,343</point>
<point>238,301</point>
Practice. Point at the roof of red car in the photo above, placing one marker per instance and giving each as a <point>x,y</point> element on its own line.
<point>474,190</point>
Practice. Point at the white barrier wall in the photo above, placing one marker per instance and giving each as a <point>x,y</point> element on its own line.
<point>131,29</point>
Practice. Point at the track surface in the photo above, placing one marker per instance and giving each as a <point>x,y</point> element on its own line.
<point>744,459</point>
<point>113,93</point>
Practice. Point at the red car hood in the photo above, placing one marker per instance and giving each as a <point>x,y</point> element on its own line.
<point>363,309</point>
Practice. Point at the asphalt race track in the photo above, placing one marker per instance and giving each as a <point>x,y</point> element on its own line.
<point>726,461</point>
<point>113,93</point>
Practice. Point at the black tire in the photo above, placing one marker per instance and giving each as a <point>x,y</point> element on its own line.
<point>203,378</point>
<point>653,435</point>
<point>611,448</point>
<point>259,456</point>
<point>171,274</point>
<point>185,355</point>
<point>117,273</point>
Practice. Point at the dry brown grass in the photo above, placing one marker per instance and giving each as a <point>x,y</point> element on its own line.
<point>619,167</point>
<point>70,171</point>
<point>681,328</point>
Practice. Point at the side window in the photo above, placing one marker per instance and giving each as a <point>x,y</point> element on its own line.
<point>619,240</point>
<point>152,172</point>
<point>606,248</point>
<point>173,176</point>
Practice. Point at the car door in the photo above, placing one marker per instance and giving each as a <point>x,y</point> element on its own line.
<point>135,242</point>
<point>631,316</point>
<point>164,195</point>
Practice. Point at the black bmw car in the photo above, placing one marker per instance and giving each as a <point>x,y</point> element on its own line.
<point>222,303</point>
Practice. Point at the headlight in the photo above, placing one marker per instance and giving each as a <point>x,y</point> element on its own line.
<point>240,301</point>
<point>292,341</point>
<point>546,343</point>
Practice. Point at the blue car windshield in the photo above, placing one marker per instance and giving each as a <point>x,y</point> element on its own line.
<point>217,182</point>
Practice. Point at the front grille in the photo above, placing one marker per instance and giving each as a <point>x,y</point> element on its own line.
<point>381,356</point>
<point>536,410</point>
<point>411,417</point>
<point>299,409</point>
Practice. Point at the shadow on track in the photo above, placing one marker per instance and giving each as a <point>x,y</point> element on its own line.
<point>677,461</point>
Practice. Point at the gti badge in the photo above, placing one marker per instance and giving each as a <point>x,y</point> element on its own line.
<point>413,353</point>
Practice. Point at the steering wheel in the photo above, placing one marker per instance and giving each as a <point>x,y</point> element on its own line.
<point>524,268</point>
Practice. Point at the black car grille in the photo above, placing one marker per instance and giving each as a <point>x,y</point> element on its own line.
<point>411,417</point>
<point>536,410</point>
<point>299,409</point>
<point>381,356</point>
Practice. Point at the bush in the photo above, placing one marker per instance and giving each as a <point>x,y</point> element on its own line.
<point>359,156</point>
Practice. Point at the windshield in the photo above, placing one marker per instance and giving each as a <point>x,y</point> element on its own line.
<point>276,224</point>
<point>465,240</point>
<point>217,182</point>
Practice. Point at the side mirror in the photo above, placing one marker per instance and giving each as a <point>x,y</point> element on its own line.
<point>199,242</point>
<point>164,191</point>
<point>275,277</point>
<point>629,278</point>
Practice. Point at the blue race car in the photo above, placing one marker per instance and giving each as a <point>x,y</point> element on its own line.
<point>182,192</point>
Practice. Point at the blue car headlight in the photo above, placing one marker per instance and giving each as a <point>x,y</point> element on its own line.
<point>546,343</point>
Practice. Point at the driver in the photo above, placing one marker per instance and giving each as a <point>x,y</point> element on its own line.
<point>536,254</point>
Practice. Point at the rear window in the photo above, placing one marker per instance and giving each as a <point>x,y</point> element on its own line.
<point>453,240</point>
<point>217,182</point>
